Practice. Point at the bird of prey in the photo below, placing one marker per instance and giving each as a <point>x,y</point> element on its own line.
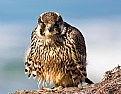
<point>57,53</point>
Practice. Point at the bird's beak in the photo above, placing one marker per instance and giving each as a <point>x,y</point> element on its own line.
<point>50,28</point>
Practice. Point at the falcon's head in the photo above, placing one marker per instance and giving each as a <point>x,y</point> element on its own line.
<point>49,24</point>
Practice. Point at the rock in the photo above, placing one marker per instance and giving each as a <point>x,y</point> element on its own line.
<point>110,84</point>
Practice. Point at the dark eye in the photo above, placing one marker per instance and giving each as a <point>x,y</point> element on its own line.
<point>43,25</point>
<point>56,25</point>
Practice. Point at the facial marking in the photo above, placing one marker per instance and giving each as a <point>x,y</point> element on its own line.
<point>38,28</point>
<point>49,24</point>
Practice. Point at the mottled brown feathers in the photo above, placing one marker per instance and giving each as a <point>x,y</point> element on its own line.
<point>57,55</point>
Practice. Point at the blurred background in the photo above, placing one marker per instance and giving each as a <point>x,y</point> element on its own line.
<point>99,21</point>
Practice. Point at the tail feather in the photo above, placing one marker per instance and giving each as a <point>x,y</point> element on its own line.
<point>88,81</point>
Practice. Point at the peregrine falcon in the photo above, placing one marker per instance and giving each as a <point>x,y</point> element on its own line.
<point>57,53</point>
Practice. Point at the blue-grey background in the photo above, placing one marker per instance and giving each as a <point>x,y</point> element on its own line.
<point>98,20</point>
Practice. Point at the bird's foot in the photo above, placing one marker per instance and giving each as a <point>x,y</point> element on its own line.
<point>81,87</point>
<point>52,89</point>
<point>57,88</point>
<point>46,89</point>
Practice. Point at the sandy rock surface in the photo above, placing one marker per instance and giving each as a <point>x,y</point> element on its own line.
<point>110,84</point>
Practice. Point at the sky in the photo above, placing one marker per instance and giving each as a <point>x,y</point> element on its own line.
<point>99,22</point>
<point>29,10</point>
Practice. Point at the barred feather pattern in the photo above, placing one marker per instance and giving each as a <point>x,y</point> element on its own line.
<point>60,60</point>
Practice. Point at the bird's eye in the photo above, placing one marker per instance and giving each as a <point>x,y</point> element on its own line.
<point>56,25</point>
<point>43,25</point>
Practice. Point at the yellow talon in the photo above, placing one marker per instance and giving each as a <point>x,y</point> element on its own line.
<point>81,87</point>
<point>57,88</point>
<point>54,89</point>
<point>48,89</point>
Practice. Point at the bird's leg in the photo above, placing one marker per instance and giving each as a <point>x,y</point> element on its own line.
<point>88,81</point>
<point>81,86</point>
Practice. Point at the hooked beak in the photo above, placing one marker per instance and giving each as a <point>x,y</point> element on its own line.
<point>50,28</point>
